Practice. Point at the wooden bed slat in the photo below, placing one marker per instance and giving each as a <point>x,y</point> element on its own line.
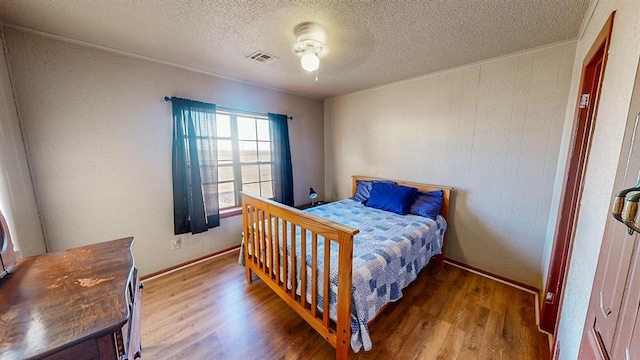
<point>314,274</point>
<point>260,234</point>
<point>325,287</point>
<point>294,277</point>
<point>276,251</point>
<point>285,256</point>
<point>246,220</point>
<point>256,237</point>
<point>303,267</point>
<point>269,244</point>
<point>254,233</point>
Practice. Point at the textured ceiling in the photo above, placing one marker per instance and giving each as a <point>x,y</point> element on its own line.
<point>370,43</point>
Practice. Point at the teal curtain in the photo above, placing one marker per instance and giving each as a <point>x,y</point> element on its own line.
<point>195,170</point>
<point>281,169</point>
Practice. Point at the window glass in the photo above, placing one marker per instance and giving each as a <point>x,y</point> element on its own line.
<point>246,128</point>
<point>223,128</point>
<point>266,189</point>
<point>248,151</point>
<point>250,173</point>
<point>265,172</point>
<point>225,152</point>
<point>226,195</point>
<point>264,151</point>
<point>263,129</point>
<point>207,174</point>
<point>252,188</point>
<point>206,150</point>
<point>202,126</point>
<point>225,173</point>
<point>210,193</point>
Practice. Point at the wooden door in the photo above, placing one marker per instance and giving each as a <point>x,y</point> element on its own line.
<point>593,70</point>
<point>612,316</point>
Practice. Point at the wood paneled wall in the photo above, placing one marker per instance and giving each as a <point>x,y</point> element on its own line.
<point>491,130</point>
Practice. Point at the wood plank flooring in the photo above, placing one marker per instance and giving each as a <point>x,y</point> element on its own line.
<point>208,311</point>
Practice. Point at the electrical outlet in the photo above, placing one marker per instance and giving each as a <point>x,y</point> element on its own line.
<point>176,243</point>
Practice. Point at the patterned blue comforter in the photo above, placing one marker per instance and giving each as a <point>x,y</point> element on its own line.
<point>388,253</point>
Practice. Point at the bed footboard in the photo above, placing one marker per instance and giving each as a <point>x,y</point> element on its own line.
<point>272,250</point>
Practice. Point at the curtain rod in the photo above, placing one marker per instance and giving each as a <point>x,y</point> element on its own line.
<point>166,98</point>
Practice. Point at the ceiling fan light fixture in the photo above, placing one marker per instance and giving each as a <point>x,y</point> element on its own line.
<point>310,46</point>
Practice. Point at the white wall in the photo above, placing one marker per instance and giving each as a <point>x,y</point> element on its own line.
<point>99,135</point>
<point>603,159</point>
<point>491,130</point>
<point>17,200</point>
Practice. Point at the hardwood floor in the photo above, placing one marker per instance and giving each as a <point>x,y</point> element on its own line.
<point>208,311</point>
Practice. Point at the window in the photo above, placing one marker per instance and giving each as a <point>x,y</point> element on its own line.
<point>216,153</point>
<point>244,157</point>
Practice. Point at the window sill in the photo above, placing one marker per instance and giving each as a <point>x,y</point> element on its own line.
<point>226,213</point>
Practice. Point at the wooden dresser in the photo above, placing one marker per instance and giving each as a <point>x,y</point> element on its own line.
<point>83,303</point>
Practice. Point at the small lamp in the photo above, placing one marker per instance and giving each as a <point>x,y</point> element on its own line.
<point>313,195</point>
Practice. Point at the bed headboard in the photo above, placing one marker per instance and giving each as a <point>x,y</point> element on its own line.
<point>446,190</point>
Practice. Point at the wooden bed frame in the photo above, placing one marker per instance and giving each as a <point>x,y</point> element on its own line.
<point>263,239</point>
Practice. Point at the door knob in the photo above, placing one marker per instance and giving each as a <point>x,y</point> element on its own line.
<point>618,202</point>
<point>629,212</point>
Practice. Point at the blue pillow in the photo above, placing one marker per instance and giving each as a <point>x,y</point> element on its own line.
<point>390,197</point>
<point>428,204</point>
<point>363,189</point>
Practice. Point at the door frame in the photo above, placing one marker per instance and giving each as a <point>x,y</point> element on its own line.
<point>593,70</point>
